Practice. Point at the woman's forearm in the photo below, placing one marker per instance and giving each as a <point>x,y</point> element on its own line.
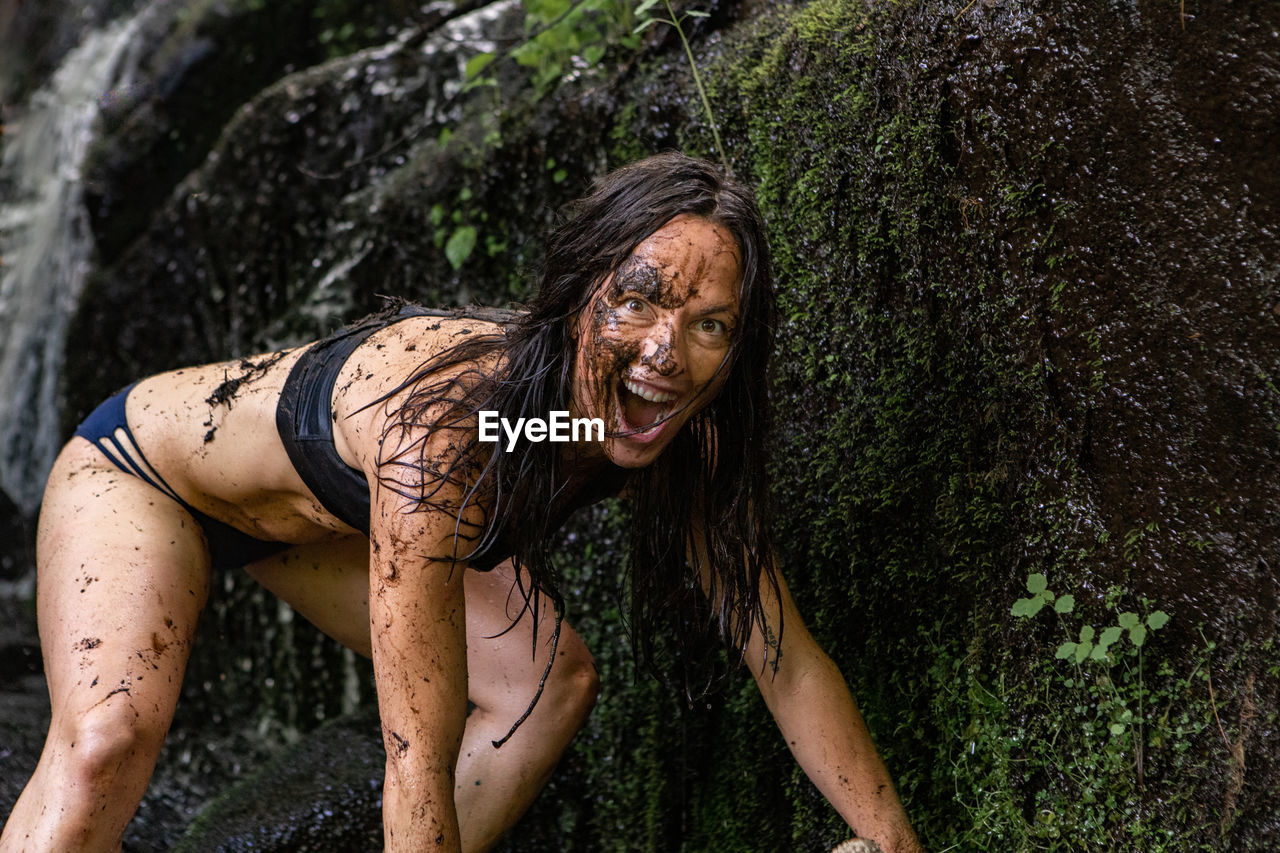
<point>422,703</point>
<point>828,737</point>
<point>417,614</point>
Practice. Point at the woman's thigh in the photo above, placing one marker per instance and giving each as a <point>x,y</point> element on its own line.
<point>327,583</point>
<point>122,575</point>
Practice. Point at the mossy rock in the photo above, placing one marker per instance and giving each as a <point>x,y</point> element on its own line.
<point>1026,262</point>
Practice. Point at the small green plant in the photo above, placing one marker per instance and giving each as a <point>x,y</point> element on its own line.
<point>563,35</point>
<point>1090,643</point>
<point>455,232</point>
<point>645,12</point>
<point>1109,716</point>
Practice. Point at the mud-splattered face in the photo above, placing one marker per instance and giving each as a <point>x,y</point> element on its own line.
<point>653,343</point>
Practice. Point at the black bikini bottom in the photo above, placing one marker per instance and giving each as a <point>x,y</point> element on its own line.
<point>109,431</point>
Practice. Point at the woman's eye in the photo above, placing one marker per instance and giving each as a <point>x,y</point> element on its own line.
<point>712,327</point>
<point>635,305</point>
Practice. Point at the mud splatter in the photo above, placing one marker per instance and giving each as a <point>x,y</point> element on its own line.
<point>609,356</point>
<point>639,276</point>
<point>225,393</point>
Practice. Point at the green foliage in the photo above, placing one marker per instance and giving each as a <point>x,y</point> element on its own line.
<point>476,64</point>
<point>341,28</point>
<point>567,36</point>
<point>1068,755</point>
<point>460,244</point>
<point>1086,646</point>
<point>1117,719</point>
<point>562,37</point>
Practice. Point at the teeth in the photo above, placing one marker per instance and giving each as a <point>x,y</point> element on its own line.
<point>651,396</point>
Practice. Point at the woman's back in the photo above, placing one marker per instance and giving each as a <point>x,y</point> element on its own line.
<point>211,431</point>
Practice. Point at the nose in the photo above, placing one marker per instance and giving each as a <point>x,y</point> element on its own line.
<point>660,350</point>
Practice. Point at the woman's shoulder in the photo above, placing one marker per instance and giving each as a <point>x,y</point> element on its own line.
<point>395,355</point>
<point>413,371</point>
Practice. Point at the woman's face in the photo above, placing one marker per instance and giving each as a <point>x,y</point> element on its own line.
<point>653,342</point>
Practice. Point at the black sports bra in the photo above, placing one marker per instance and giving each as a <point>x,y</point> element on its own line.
<point>304,419</point>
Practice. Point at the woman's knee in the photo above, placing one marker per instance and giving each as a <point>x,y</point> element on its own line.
<point>111,740</point>
<point>567,695</point>
<point>573,685</point>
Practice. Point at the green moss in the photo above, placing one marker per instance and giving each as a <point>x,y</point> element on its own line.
<point>910,418</point>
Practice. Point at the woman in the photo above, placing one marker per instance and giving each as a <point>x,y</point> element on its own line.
<point>353,479</point>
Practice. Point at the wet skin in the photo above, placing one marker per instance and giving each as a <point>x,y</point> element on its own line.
<point>654,341</point>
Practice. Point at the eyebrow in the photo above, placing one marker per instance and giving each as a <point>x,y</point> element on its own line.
<point>726,307</point>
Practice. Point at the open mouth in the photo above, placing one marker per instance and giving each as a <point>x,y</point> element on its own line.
<point>644,411</point>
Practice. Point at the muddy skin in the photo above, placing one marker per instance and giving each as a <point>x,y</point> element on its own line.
<point>643,279</point>
<point>123,688</point>
<point>225,393</point>
<point>662,360</point>
<point>639,276</point>
<point>612,355</point>
<point>635,277</point>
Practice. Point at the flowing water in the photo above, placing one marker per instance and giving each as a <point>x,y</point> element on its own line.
<point>46,246</point>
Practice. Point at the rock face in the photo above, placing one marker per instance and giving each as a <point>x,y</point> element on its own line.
<point>1028,457</point>
<point>326,794</point>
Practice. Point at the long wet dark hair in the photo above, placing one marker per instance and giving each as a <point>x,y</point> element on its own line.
<point>705,496</point>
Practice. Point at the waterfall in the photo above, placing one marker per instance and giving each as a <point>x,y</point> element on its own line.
<point>46,244</point>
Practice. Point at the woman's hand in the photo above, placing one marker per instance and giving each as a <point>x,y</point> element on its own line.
<point>857,845</point>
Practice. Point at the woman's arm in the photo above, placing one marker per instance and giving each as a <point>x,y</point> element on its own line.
<point>418,630</point>
<point>821,723</point>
